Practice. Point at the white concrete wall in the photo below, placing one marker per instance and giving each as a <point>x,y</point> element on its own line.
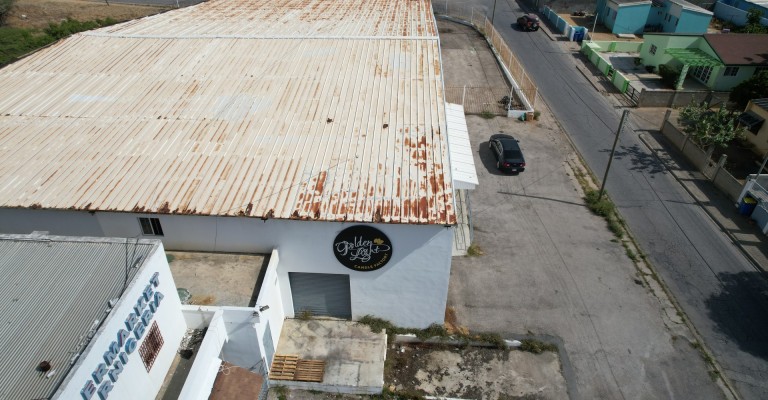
<point>242,348</point>
<point>134,382</point>
<point>270,294</point>
<point>203,373</point>
<point>66,223</point>
<point>411,290</point>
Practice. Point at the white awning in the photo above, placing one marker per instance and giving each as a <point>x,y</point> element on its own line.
<point>462,161</point>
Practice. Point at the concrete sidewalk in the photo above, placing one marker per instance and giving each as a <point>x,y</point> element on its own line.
<point>723,211</point>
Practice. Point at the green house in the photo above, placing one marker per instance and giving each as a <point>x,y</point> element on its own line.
<point>719,61</point>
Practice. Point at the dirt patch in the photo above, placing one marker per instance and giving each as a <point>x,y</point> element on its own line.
<point>39,13</point>
<point>474,373</point>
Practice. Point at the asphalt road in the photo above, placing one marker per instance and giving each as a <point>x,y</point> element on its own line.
<point>718,288</point>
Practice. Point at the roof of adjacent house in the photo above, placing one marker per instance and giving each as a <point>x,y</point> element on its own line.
<point>56,291</point>
<point>739,48</point>
<point>692,7</point>
<point>762,103</point>
<point>630,2</point>
<point>311,110</point>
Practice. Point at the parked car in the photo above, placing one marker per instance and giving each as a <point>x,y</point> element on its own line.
<point>509,157</point>
<point>528,22</point>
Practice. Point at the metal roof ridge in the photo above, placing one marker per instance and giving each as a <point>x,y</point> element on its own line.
<point>266,37</point>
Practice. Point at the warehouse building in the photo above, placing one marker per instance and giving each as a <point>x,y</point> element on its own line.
<point>318,135</point>
<point>83,316</point>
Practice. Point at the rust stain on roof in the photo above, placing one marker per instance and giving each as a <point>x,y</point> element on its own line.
<point>141,117</point>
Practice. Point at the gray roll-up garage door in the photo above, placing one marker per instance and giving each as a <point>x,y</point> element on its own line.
<point>321,294</point>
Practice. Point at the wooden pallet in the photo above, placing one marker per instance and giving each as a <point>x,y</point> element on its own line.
<point>283,367</point>
<point>310,371</point>
<point>291,368</point>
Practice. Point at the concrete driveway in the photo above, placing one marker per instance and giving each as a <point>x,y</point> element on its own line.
<point>551,267</point>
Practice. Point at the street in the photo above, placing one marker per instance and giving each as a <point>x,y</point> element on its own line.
<point>716,286</point>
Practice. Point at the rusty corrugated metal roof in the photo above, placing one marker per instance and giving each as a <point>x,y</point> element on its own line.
<point>326,126</point>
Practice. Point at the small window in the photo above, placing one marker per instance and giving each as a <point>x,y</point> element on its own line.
<point>149,350</point>
<point>653,49</point>
<point>151,226</point>
<point>731,71</point>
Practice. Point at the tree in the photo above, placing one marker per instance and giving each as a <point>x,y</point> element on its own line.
<point>753,22</point>
<point>707,127</point>
<point>755,87</point>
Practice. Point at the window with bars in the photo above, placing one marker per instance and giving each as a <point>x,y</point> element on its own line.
<point>149,350</point>
<point>151,226</point>
<point>702,73</point>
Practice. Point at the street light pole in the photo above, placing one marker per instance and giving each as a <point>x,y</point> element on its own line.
<point>594,26</point>
<point>613,150</point>
<point>493,13</point>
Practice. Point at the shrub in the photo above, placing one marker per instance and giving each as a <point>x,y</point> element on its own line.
<point>602,207</point>
<point>668,75</point>
<point>537,346</point>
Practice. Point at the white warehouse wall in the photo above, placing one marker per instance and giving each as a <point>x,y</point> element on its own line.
<point>411,290</point>
<point>134,382</point>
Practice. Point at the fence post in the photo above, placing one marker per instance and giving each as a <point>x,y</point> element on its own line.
<point>463,95</point>
<point>720,164</point>
<point>685,141</point>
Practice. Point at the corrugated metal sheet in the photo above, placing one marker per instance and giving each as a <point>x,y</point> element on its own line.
<point>54,288</point>
<point>289,18</point>
<point>462,154</point>
<point>338,129</point>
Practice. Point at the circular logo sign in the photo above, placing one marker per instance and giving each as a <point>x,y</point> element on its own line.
<point>362,248</point>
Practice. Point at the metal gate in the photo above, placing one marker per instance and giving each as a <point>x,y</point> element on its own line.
<point>321,294</point>
<point>269,345</point>
<point>632,94</point>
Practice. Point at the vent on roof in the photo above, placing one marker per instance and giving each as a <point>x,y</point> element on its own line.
<point>44,366</point>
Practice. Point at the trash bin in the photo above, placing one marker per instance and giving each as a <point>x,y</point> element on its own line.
<point>747,205</point>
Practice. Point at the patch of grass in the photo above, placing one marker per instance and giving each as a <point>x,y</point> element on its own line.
<point>474,250</point>
<point>537,346</point>
<point>281,392</point>
<point>536,115</point>
<point>16,42</point>
<point>170,258</point>
<point>377,325</point>
<point>615,226</point>
<point>434,330</point>
<point>492,338</point>
<point>631,254</point>
<point>600,206</point>
<point>487,114</point>
<point>304,315</point>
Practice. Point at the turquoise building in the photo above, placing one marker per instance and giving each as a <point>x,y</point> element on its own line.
<point>638,16</point>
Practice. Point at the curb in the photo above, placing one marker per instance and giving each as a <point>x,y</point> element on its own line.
<point>643,138</point>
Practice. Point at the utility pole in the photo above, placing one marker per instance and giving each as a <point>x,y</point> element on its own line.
<point>493,13</point>
<point>613,150</point>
